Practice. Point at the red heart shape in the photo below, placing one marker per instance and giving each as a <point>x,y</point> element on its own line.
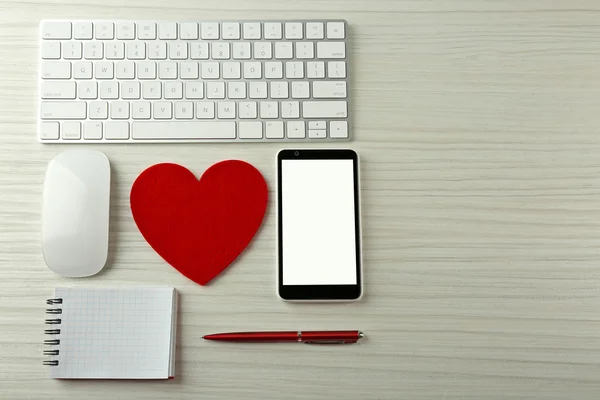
<point>199,226</point>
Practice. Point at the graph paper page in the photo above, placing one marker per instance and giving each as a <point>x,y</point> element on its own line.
<point>114,333</point>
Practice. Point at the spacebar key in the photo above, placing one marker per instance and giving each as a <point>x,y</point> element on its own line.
<point>159,130</point>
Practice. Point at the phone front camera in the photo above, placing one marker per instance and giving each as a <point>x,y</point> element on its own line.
<point>296,153</point>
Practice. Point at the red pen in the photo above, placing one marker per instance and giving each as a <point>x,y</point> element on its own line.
<point>310,337</point>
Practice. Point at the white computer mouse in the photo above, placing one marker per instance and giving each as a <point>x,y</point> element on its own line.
<point>75,213</point>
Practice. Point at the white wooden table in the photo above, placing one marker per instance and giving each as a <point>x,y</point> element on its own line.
<point>477,125</point>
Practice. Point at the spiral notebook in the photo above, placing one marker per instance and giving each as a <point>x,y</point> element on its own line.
<point>126,333</point>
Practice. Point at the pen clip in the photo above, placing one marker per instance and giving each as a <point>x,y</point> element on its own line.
<point>330,342</point>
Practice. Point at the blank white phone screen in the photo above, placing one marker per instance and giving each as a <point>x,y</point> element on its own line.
<point>318,222</point>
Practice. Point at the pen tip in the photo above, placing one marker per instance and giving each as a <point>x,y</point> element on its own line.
<point>361,335</point>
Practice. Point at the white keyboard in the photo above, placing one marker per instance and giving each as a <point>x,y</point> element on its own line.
<point>162,81</point>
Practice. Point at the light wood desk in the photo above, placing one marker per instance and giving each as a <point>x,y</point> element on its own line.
<point>477,124</point>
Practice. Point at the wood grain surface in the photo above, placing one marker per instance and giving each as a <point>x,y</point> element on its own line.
<point>477,126</point>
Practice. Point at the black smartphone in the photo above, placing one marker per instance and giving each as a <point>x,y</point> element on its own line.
<point>319,236</point>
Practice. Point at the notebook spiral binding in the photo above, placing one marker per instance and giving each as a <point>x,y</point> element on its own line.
<point>54,331</point>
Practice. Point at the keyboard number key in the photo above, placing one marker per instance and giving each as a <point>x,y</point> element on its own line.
<point>262,50</point>
<point>136,50</point>
<point>71,50</point>
<point>241,51</point>
<point>199,51</point>
<point>220,50</point>
<point>178,50</point>
<point>157,51</point>
<point>93,50</point>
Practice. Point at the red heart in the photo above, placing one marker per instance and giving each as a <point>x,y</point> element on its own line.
<point>199,226</point>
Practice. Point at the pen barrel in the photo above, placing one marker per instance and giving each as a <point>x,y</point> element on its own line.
<point>291,336</point>
<point>346,336</point>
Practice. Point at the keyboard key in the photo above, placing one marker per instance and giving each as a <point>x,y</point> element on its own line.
<point>63,109</point>
<point>82,70</point>
<point>272,30</point>
<point>314,30</point>
<point>188,70</point>
<point>279,90</point>
<point>188,31</point>
<point>274,70</point>
<point>155,130</point>
<point>167,70</point>
<point>226,110</point>
<point>56,30</point>
<point>331,50</point>
<point>274,130</point>
<point>104,70</point>
<point>283,50</point>
<point>293,30</point>
<point>317,125</point>
<point>125,70</point>
<point>167,30</point>
<point>49,130</point>
<point>252,30</point>
<point>163,110</point>
<point>220,50</point>
<point>300,90</point>
<point>92,130</point>
<point>125,31</point>
<point>87,90</point>
<point>315,69</point>
<point>185,110</point>
<point>105,30</point>
<point>294,70</point>
<point>252,70</point>
<point>250,130</point>
<point>173,90</point>
<point>325,109</point>
<point>146,31</point>
<point>241,51</point>
<point>232,70</point>
<point>329,89</point>
<point>305,50</point>
<point>93,50</point>
<point>317,133</point>
<point>296,130</point>
<point>117,130</point>
<point>136,50</point>
<point>146,70</point>
<point>109,90</point>
<point>71,130</point>
<point>82,30</point>
<point>230,30</point>
<point>178,50</point>
<point>71,50</point>
<point>115,50</point>
<point>257,90</point>
<point>51,50</point>
<point>247,110</point>
<point>269,109</point>
<point>119,110</point>
<point>56,70</point>
<point>338,129</point>
<point>290,109</point>
<point>209,31</point>
<point>98,110</point>
<point>140,109</point>
<point>205,110</point>
<point>130,90</point>
<point>151,90</point>
<point>210,70</point>
<point>262,50</point>
<point>335,30</point>
<point>336,69</point>
<point>215,90</point>
<point>236,90</point>
<point>157,50</point>
<point>199,51</point>
<point>58,90</point>
<point>194,90</point>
